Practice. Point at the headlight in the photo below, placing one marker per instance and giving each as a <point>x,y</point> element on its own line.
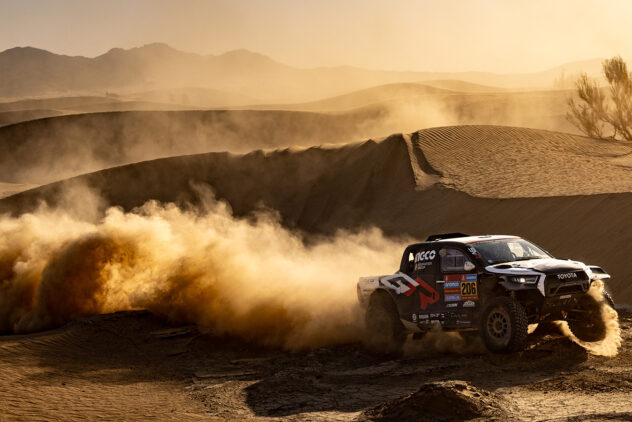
<point>524,279</point>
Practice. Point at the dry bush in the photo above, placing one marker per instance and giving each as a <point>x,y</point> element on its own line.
<point>604,113</point>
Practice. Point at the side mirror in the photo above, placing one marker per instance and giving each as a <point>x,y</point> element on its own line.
<point>468,266</point>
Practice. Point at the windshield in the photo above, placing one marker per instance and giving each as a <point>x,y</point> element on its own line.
<point>507,250</point>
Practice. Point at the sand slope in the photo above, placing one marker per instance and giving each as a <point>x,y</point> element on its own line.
<point>11,117</point>
<point>503,162</point>
<point>403,185</point>
<point>51,149</point>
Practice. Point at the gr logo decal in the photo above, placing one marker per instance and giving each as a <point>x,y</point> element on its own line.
<point>431,297</point>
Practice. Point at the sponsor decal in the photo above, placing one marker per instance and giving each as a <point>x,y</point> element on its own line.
<point>425,256</point>
<point>566,276</point>
<point>565,297</point>
<point>452,288</point>
<point>452,305</point>
<point>469,304</point>
<point>452,285</point>
<point>424,259</point>
<point>474,252</point>
<point>423,316</point>
<point>460,287</point>
<point>414,317</point>
<point>460,322</point>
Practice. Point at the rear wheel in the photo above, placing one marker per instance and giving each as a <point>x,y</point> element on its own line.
<point>385,332</point>
<point>586,321</point>
<point>504,325</point>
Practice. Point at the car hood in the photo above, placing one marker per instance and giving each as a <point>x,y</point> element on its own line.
<point>545,265</point>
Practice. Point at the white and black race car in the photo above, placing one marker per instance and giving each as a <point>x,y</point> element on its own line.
<point>493,286</point>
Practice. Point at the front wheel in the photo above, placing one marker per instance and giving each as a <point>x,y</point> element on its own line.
<point>385,333</point>
<point>504,325</point>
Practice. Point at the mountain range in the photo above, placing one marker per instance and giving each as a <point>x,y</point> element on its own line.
<point>250,77</point>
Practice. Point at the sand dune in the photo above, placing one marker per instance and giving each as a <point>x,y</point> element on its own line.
<point>366,97</point>
<point>414,106</point>
<point>84,143</point>
<point>505,162</point>
<point>55,103</point>
<point>12,117</point>
<point>461,86</point>
<point>8,189</point>
<point>42,151</point>
<point>408,185</point>
<point>194,97</point>
<point>32,109</point>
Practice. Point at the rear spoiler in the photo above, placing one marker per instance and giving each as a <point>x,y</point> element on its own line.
<point>434,237</point>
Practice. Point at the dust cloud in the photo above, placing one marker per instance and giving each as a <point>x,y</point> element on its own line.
<point>249,278</point>
<point>610,345</point>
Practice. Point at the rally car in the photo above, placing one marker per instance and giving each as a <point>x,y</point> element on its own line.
<point>492,286</point>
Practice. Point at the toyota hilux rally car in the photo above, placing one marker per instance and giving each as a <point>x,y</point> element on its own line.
<point>492,286</point>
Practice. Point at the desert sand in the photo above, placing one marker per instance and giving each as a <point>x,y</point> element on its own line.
<point>163,260</point>
<point>189,359</point>
<point>135,366</point>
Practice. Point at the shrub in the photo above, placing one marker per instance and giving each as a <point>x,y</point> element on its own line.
<point>601,112</point>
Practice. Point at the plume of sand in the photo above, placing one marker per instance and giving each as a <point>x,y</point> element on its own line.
<point>610,345</point>
<point>243,277</point>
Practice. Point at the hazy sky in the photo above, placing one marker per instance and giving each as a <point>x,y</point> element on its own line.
<point>441,35</point>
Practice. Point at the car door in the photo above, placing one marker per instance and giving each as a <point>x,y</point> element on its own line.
<point>426,301</point>
<point>460,285</point>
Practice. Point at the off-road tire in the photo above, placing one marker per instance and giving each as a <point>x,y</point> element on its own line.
<point>586,321</point>
<point>504,325</point>
<point>385,334</point>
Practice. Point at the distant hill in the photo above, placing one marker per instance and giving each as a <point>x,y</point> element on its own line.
<point>462,86</point>
<point>365,97</point>
<point>23,110</point>
<point>194,97</point>
<point>239,74</point>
